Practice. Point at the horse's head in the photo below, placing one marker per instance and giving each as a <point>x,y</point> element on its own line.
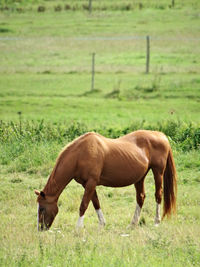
<point>47,210</point>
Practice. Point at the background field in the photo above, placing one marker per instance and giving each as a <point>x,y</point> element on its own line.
<point>46,101</point>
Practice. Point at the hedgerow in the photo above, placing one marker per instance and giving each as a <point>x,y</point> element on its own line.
<point>33,146</point>
<point>185,136</point>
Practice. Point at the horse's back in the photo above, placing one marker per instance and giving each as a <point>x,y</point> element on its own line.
<point>95,145</point>
<point>148,139</point>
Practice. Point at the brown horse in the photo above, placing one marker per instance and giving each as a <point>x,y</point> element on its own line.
<point>94,160</point>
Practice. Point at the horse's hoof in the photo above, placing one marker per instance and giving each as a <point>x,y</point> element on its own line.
<point>79,231</point>
<point>157,222</point>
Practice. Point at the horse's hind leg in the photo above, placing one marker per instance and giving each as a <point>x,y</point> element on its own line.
<point>140,196</point>
<point>96,204</point>
<point>158,177</point>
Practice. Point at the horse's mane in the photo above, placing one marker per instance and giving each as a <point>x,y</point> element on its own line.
<point>51,181</point>
<point>69,146</point>
<point>66,149</point>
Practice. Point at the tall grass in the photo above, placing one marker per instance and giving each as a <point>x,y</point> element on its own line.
<point>185,136</point>
<point>33,145</point>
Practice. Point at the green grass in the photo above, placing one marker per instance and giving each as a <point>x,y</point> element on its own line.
<point>45,66</point>
<point>45,73</point>
<point>27,160</point>
<point>62,97</point>
<point>173,243</point>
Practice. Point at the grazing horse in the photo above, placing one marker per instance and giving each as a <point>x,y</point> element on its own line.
<point>93,160</point>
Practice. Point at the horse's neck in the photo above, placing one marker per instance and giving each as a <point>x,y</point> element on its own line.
<point>61,175</point>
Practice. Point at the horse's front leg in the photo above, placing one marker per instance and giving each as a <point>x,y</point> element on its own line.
<point>96,204</point>
<point>89,186</point>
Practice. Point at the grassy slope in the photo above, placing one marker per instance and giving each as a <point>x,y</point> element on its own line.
<point>48,48</point>
<point>43,75</point>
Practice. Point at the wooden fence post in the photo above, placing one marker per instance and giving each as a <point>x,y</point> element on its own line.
<point>148,54</point>
<point>173,3</point>
<point>90,6</point>
<point>93,70</point>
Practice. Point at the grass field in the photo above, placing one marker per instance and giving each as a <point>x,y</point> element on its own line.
<point>45,73</point>
<point>41,59</point>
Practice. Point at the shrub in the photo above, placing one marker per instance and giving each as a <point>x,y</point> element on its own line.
<point>186,136</point>
<point>67,7</point>
<point>58,8</point>
<point>33,146</point>
<point>41,9</point>
<point>85,7</point>
<point>140,5</point>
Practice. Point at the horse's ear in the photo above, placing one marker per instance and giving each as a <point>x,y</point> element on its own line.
<point>37,192</point>
<point>42,194</point>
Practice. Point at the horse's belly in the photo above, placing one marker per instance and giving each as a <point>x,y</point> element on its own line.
<point>124,164</point>
<point>119,176</point>
<point>113,182</point>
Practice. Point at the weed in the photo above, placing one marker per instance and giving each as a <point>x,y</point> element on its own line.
<point>91,92</point>
<point>24,147</point>
<point>141,6</point>
<point>67,7</point>
<point>116,91</point>
<point>58,8</point>
<point>3,30</point>
<point>41,9</point>
<point>114,94</point>
<point>85,7</point>
<point>18,180</point>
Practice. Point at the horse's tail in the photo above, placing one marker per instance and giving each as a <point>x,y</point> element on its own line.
<point>170,186</point>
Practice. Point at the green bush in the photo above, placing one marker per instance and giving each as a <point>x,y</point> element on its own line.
<point>185,135</point>
<point>38,131</point>
<point>33,146</point>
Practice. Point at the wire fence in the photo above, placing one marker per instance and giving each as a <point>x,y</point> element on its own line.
<point>103,38</point>
<point>124,53</point>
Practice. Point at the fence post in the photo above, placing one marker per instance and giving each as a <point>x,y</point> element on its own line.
<point>93,70</point>
<point>90,6</point>
<point>148,54</point>
<point>173,3</point>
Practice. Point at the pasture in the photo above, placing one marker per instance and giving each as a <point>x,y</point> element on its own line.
<point>46,101</point>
